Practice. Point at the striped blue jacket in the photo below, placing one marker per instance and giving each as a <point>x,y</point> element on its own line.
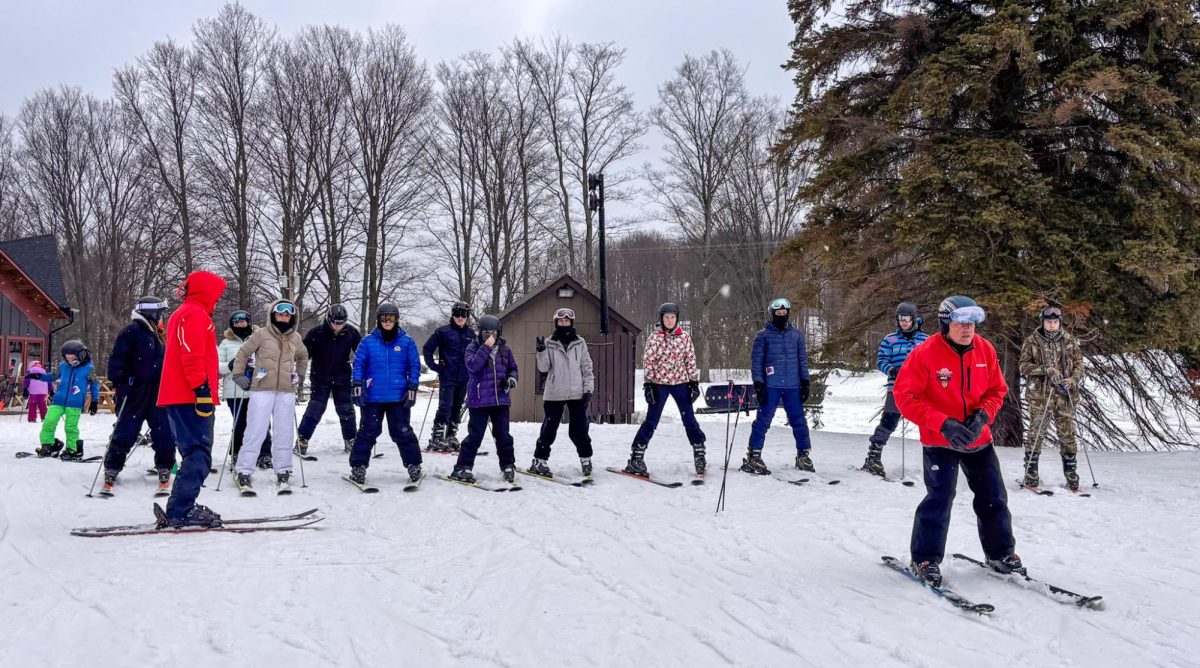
<point>894,349</point>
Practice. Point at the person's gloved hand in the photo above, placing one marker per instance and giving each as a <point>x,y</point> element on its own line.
<point>586,398</point>
<point>893,372</point>
<point>95,404</point>
<point>297,379</point>
<point>204,401</point>
<point>510,384</point>
<point>541,344</point>
<point>693,391</point>
<point>230,365</point>
<point>805,388</point>
<point>410,399</point>
<point>760,393</point>
<point>1054,376</point>
<point>242,382</point>
<point>356,391</point>
<point>957,434</point>
<point>977,422</point>
<point>648,391</point>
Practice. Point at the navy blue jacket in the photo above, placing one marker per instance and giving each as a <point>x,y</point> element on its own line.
<point>894,349</point>
<point>137,356</point>
<point>450,343</point>
<point>387,368</point>
<point>780,358</point>
<point>330,353</point>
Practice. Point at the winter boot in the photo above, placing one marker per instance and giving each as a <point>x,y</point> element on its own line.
<point>414,472</point>
<point>540,467</point>
<point>243,481</point>
<point>928,572</point>
<point>75,455</point>
<point>110,479</point>
<point>462,474</point>
<point>585,464</point>
<point>198,516</point>
<point>437,440</point>
<point>874,461</point>
<point>264,462</point>
<point>301,447</point>
<point>1069,466</point>
<point>509,473</point>
<point>358,474</point>
<point>804,462</point>
<point>348,445</point>
<point>698,458</point>
<point>164,479</point>
<point>49,449</point>
<point>1031,470</point>
<point>753,463</point>
<point>637,461</point>
<point>1011,563</point>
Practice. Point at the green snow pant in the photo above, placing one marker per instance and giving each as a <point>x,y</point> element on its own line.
<point>50,425</point>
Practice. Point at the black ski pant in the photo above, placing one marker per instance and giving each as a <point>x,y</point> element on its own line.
<point>932,520</point>
<point>450,405</point>
<point>577,427</point>
<point>887,422</point>
<point>399,428</point>
<point>136,406</point>
<point>318,400</point>
<point>476,425</point>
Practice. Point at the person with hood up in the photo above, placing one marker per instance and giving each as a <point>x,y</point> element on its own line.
<point>75,378</point>
<point>237,399</point>
<point>280,362</point>
<point>565,360</point>
<point>185,391</point>
<point>36,391</point>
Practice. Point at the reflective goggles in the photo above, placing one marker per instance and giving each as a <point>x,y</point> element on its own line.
<point>968,315</point>
<point>1052,313</point>
<point>460,313</point>
<point>387,318</point>
<point>240,317</point>
<point>567,313</point>
<point>781,303</point>
<point>285,307</point>
<point>904,319</point>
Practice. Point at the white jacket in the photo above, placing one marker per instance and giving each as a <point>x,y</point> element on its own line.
<point>227,349</point>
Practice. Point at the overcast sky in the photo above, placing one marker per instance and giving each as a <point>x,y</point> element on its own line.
<point>80,42</point>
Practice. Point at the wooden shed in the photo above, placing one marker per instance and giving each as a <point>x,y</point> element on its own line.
<point>614,356</point>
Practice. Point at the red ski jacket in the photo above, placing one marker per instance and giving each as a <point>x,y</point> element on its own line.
<point>191,356</point>
<point>936,383</point>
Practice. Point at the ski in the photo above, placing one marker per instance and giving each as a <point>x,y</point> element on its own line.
<point>246,491</point>
<point>362,487</point>
<point>792,481</point>
<point>1057,593</point>
<point>283,490</point>
<point>246,520</point>
<point>1035,490</point>
<point>478,485</point>
<point>953,598</point>
<point>412,486</point>
<point>105,492</point>
<point>153,529</point>
<point>162,491</point>
<point>568,483</point>
<point>697,480</point>
<point>481,453</point>
<point>1077,492</point>
<point>660,483</point>
<point>307,458</point>
<point>884,478</point>
<point>85,460</point>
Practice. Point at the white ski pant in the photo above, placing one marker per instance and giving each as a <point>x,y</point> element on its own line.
<point>269,408</point>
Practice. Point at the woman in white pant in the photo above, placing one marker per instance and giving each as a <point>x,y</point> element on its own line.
<point>280,360</point>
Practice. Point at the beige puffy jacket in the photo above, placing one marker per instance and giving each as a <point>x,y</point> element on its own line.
<point>277,356</point>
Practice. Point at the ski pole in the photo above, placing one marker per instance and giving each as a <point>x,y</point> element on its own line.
<point>1086,457</point>
<point>107,448</point>
<point>237,412</point>
<point>728,450</point>
<point>903,448</point>
<point>427,405</point>
<point>303,484</point>
<point>1037,442</point>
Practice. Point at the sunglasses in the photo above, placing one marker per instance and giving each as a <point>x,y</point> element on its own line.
<point>387,318</point>
<point>285,307</point>
<point>968,315</point>
<point>567,313</point>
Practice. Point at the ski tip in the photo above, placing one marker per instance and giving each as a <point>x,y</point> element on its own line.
<point>907,483</point>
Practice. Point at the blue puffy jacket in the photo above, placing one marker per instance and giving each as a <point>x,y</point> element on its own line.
<point>387,368</point>
<point>894,349</point>
<point>74,382</point>
<point>780,358</point>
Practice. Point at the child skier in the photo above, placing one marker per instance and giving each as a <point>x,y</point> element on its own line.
<point>493,374</point>
<point>36,391</point>
<point>76,380</point>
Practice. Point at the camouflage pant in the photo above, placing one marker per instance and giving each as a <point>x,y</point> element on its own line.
<point>1061,413</point>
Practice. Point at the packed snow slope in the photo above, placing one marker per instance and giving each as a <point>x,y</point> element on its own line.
<point>623,573</point>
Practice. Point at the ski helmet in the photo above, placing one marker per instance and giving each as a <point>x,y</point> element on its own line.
<point>75,347</point>
<point>387,308</point>
<point>489,323</point>
<point>151,308</point>
<point>337,315</point>
<point>955,303</point>
<point>460,310</point>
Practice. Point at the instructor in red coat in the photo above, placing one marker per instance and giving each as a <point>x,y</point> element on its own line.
<point>189,383</point>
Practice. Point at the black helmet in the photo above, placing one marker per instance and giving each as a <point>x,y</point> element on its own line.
<point>909,309</point>
<point>337,315</point>
<point>151,308</point>
<point>460,310</point>
<point>75,347</point>
<point>387,308</point>
<point>489,323</point>
<point>668,307</point>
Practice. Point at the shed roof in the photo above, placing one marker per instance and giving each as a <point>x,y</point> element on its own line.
<point>567,279</point>
<point>37,257</point>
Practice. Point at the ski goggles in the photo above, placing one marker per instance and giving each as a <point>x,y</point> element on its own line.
<point>387,318</point>
<point>240,317</point>
<point>1052,313</point>
<point>567,313</point>
<point>904,319</point>
<point>285,307</point>
<point>460,312</point>
<point>781,303</point>
<point>968,315</point>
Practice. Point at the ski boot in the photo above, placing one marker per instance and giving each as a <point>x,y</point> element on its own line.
<point>244,482</point>
<point>198,516</point>
<point>451,439</point>
<point>585,464</point>
<point>348,445</point>
<point>50,449</point>
<point>804,462</point>
<point>414,472</point>
<point>1031,470</point>
<point>540,467</point>
<point>874,461</point>
<point>637,461</point>
<point>509,473</point>
<point>1011,563</point>
<point>698,458</point>
<point>110,479</point>
<point>928,572</point>
<point>283,480</point>
<point>264,462</point>
<point>164,479</point>
<point>753,463</point>
<point>462,474</point>
<point>301,447</point>
<point>437,439</point>
<point>358,475</point>
<point>69,455</point>
<point>1069,466</point>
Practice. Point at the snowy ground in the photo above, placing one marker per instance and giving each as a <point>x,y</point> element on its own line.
<point>623,573</point>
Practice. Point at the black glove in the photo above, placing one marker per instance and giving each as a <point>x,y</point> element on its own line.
<point>978,421</point>
<point>805,389</point>
<point>760,393</point>
<point>204,401</point>
<point>957,434</point>
<point>648,390</point>
<point>25,394</point>
<point>242,382</point>
<point>410,399</point>
<point>356,391</point>
<point>541,344</point>
<point>95,404</point>
<point>231,364</point>
<point>893,372</point>
<point>510,384</point>
<point>586,398</point>
<point>693,391</point>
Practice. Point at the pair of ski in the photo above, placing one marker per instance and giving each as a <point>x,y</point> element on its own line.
<point>487,487</point>
<point>1048,492</point>
<point>244,525</point>
<point>85,460</point>
<point>372,489</point>
<point>248,491</point>
<point>159,492</point>
<point>697,479</point>
<point>582,482</point>
<point>957,600</point>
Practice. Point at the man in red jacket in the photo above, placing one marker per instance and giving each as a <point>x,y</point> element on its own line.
<point>952,387</point>
<point>189,376</point>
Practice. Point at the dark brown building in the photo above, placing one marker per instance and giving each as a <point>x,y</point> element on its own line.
<point>32,298</point>
<point>614,357</point>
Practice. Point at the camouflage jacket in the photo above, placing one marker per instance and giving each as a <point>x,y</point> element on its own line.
<point>1040,354</point>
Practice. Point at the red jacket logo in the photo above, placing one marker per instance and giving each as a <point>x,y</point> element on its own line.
<point>944,376</point>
